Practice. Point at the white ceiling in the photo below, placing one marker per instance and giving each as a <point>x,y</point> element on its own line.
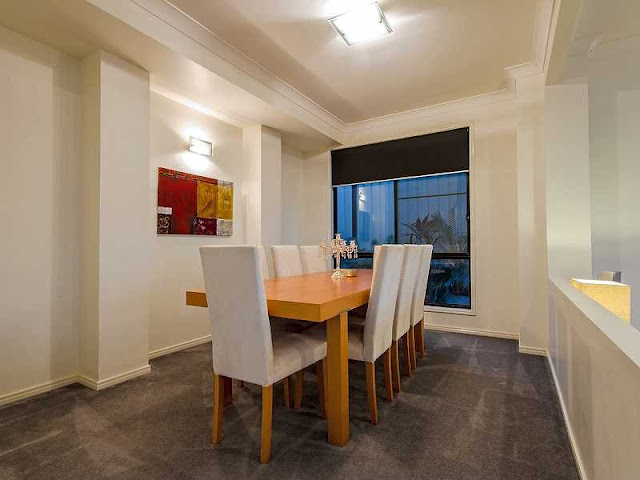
<point>599,22</point>
<point>440,50</point>
<point>610,20</point>
<point>78,28</point>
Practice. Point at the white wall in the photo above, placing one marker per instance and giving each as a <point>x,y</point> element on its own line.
<point>292,196</point>
<point>614,123</point>
<point>595,360</point>
<point>531,214</point>
<point>262,153</point>
<point>494,197</point>
<point>271,189</point>
<point>117,230</point>
<point>176,260</point>
<point>317,200</point>
<point>88,289</point>
<point>39,198</point>
<point>568,180</point>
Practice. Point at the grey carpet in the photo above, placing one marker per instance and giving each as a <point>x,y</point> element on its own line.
<point>475,409</point>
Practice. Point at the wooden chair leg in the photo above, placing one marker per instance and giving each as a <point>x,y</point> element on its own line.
<point>267,410</point>
<point>371,391</point>
<point>419,336</point>
<point>395,366</point>
<point>423,348</point>
<point>228,390</point>
<point>218,405</point>
<point>320,376</point>
<point>407,354</point>
<point>297,395</point>
<point>412,349</point>
<point>287,391</point>
<point>388,381</point>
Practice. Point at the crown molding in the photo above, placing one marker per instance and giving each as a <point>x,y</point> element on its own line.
<point>162,21</point>
<point>187,102</point>
<point>430,111</point>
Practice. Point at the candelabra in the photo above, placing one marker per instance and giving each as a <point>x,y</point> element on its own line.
<point>339,248</point>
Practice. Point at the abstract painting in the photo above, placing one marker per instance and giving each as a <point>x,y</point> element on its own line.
<point>193,205</point>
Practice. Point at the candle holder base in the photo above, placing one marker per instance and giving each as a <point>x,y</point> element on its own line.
<point>338,274</point>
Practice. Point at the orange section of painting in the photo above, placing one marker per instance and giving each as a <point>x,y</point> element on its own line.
<point>207,200</point>
<point>225,200</point>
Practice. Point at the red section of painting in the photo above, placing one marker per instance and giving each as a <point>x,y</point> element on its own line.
<point>178,191</point>
<point>166,172</point>
<point>205,226</point>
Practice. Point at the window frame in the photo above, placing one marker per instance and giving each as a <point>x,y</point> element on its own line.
<point>457,310</point>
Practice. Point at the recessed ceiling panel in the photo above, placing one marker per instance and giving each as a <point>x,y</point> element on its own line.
<point>440,50</point>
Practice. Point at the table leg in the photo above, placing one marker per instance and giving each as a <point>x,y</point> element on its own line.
<point>228,391</point>
<point>338,380</point>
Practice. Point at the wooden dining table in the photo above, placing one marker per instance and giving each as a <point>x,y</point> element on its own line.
<point>317,297</point>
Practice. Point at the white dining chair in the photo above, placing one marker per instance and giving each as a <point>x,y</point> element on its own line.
<point>264,266</point>
<point>312,259</point>
<point>373,339</point>
<point>243,345</point>
<point>403,312</point>
<point>417,315</point>
<point>286,260</point>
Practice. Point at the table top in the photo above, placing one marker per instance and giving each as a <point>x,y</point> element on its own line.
<point>314,297</point>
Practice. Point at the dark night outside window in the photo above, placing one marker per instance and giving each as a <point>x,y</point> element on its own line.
<point>431,209</point>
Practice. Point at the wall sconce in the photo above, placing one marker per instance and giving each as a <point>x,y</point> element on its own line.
<point>201,147</point>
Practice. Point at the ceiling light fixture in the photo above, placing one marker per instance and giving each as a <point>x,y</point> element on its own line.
<point>361,25</point>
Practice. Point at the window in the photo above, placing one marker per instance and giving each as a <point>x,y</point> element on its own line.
<point>432,209</point>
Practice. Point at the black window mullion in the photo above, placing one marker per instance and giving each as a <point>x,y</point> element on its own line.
<point>395,211</point>
<point>354,211</point>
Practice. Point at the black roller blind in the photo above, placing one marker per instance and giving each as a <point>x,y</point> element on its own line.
<point>434,153</point>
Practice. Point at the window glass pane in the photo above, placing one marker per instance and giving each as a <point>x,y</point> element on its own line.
<point>433,210</point>
<point>344,210</point>
<point>359,262</point>
<point>428,210</point>
<point>375,222</point>
<point>449,283</point>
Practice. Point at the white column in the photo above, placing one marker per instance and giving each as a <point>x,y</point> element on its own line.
<point>532,235</point>
<point>262,150</point>
<point>317,208</point>
<point>116,231</point>
<point>568,180</point>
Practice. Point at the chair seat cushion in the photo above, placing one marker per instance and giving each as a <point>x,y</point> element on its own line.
<point>294,351</point>
<point>357,321</point>
<point>359,312</point>
<point>356,339</point>
<point>289,325</point>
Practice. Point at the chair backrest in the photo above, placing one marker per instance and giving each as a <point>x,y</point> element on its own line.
<point>382,301</point>
<point>240,331</point>
<point>312,259</point>
<point>286,260</point>
<point>264,266</point>
<point>376,252</point>
<point>408,276</point>
<point>421,284</point>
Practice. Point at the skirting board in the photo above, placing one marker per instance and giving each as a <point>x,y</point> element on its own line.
<point>37,390</point>
<point>179,346</point>
<point>542,352</point>
<point>471,331</point>
<point>63,382</point>
<point>572,438</point>
<point>116,379</point>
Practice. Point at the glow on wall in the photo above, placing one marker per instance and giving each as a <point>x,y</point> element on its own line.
<point>193,205</point>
